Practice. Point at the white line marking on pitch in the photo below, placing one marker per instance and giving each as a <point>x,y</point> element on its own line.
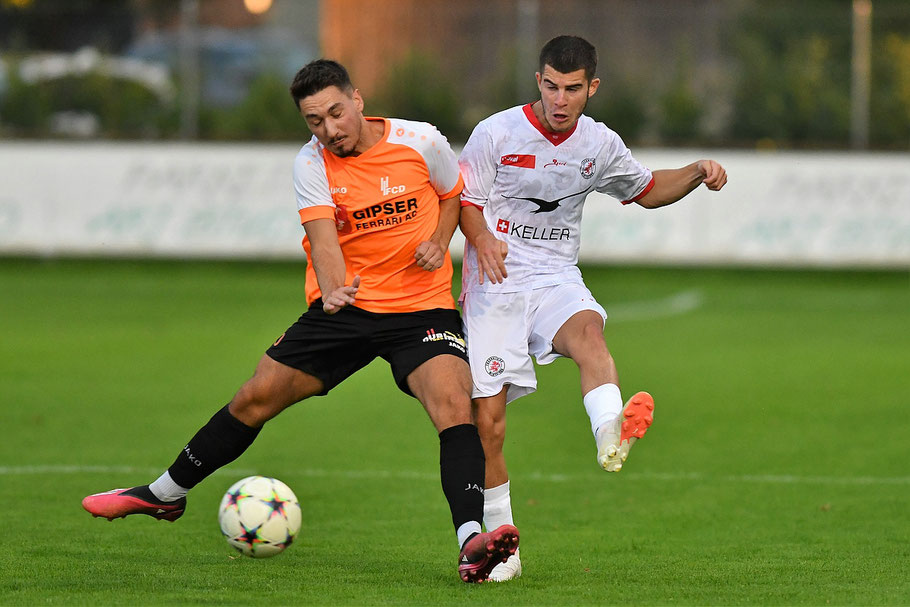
<point>772,479</point>
<point>674,305</point>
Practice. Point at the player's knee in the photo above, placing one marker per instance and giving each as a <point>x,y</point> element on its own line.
<point>255,403</point>
<point>592,347</point>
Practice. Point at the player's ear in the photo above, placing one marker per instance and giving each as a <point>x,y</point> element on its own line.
<point>592,87</point>
<point>358,100</point>
<point>537,75</point>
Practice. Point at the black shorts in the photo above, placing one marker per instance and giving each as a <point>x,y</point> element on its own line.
<point>332,347</point>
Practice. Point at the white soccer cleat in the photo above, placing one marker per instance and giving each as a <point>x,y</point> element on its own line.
<point>615,439</point>
<point>509,570</point>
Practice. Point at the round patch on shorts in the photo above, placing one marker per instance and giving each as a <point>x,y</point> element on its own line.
<point>494,366</point>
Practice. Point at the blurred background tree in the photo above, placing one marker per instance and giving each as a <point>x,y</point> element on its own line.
<point>770,73</point>
<point>416,88</point>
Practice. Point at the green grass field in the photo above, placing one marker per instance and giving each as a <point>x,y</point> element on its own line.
<point>777,471</point>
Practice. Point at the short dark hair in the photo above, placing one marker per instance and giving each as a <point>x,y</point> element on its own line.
<point>317,75</point>
<point>567,54</point>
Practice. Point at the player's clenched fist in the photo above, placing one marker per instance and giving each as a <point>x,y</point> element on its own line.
<point>715,175</point>
<point>429,256</point>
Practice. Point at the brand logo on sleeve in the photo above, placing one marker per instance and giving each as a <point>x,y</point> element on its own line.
<point>524,161</point>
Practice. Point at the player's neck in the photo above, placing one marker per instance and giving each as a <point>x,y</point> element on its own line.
<point>371,133</point>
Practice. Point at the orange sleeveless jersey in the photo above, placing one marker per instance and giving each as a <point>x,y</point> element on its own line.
<point>384,202</point>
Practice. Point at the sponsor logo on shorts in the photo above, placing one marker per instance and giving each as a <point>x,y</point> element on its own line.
<point>278,341</point>
<point>452,339</point>
<point>494,366</point>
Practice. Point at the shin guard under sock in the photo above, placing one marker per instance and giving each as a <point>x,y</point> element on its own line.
<point>222,440</point>
<point>461,467</point>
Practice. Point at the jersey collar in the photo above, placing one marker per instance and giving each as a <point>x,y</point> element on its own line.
<point>554,138</point>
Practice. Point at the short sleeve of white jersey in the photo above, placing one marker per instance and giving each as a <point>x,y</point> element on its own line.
<point>433,147</point>
<point>311,185</point>
<point>478,166</point>
<point>624,177</point>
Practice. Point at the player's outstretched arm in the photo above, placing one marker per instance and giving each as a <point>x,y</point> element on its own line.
<point>491,252</point>
<point>328,263</point>
<point>672,184</point>
<point>431,254</point>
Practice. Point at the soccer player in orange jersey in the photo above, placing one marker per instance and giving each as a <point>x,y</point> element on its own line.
<point>527,173</point>
<point>379,201</point>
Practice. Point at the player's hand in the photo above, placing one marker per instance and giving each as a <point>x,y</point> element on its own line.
<point>341,297</point>
<point>491,257</point>
<point>429,255</point>
<point>715,175</point>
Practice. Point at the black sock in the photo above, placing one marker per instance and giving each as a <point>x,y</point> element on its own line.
<point>461,466</point>
<point>216,444</point>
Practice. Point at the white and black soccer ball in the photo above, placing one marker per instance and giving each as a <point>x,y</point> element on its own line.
<point>259,516</point>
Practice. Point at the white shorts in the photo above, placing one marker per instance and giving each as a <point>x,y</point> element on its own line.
<point>503,331</point>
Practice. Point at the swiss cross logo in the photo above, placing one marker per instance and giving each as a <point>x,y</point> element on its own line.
<point>502,226</point>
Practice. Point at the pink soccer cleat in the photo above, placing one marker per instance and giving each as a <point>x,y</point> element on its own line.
<point>482,552</point>
<point>118,503</point>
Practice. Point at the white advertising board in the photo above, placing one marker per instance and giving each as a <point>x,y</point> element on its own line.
<point>236,201</point>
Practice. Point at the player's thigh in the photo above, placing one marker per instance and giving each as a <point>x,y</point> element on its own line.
<point>581,337</point>
<point>408,340</point>
<point>273,387</point>
<point>426,350</point>
<point>565,316</point>
<point>497,328</point>
<point>442,384</point>
<point>327,347</point>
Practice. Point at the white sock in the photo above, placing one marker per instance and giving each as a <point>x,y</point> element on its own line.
<point>603,404</point>
<point>497,507</point>
<point>166,489</point>
<point>465,531</point>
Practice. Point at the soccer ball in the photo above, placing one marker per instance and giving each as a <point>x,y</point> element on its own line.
<point>259,516</point>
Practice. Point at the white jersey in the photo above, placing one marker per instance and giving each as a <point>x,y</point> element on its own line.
<point>532,185</point>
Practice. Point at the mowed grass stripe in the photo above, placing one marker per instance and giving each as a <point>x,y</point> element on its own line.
<point>380,475</point>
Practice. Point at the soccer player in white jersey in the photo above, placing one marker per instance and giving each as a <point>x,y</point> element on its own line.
<point>527,172</point>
